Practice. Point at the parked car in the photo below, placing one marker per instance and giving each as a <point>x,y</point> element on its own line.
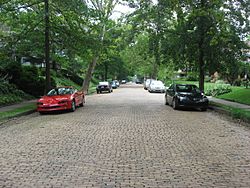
<point>61,98</point>
<point>113,84</point>
<point>104,86</point>
<point>124,81</point>
<point>186,95</point>
<point>117,83</point>
<point>156,86</point>
<point>147,83</point>
<point>138,81</point>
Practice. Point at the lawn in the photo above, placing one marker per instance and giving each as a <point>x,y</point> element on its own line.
<point>238,94</point>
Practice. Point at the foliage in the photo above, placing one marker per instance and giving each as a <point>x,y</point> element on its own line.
<point>10,94</point>
<point>26,78</point>
<point>218,89</point>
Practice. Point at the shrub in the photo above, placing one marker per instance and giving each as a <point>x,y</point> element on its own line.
<point>192,76</point>
<point>218,89</point>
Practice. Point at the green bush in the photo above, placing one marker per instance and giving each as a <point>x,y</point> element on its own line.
<point>218,89</point>
<point>192,76</point>
<point>26,78</point>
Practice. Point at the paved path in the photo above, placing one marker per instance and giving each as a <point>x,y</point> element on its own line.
<point>15,106</point>
<point>229,103</point>
<point>128,138</point>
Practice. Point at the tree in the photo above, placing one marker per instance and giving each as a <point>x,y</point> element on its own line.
<point>102,10</point>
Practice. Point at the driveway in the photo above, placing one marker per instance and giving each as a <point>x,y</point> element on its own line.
<point>127,138</point>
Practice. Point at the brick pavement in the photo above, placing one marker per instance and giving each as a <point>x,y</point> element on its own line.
<point>128,138</point>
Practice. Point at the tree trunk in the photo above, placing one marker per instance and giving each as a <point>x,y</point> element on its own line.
<point>106,71</point>
<point>201,69</point>
<point>47,47</point>
<point>89,74</point>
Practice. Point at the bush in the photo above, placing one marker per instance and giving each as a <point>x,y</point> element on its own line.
<point>10,94</point>
<point>30,82</point>
<point>218,89</point>
<point>192,76</point>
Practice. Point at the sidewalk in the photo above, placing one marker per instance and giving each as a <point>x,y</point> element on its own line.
<point>18,105</point>
<point>229,103</point>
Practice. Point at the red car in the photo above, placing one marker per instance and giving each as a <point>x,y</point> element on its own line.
<point>61,98</point>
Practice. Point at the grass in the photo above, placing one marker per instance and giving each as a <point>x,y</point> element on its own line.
<point>66,82</point>
<point>236,113</point>
<point>17,111</point>
<point>238,94</point>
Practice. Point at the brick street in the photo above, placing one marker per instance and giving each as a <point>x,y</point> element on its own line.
<point>128,138</point>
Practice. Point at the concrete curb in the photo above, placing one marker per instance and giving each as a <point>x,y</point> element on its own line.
<point>17,115</point>
<point>227,113</point>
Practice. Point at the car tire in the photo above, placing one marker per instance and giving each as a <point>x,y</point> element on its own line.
<point>204,109</point>
<point>41,113</point>
<point>73,106</point>
<point>175,104</point>
<point>166,100</point>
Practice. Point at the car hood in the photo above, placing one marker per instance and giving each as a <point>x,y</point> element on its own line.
<point>54,99</point>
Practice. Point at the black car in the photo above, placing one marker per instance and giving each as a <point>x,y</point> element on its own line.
<point>186,95</point>
<point>104,86</point>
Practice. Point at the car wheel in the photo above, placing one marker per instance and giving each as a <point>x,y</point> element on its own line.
<point>175,104</point>
<point>166,100</point>
<point>73,106</point>
<point>204,109</point>
<point>41,113</point>
<point>97,92</point>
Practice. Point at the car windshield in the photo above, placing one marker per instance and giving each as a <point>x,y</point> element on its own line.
<point>60,91</point>
<point>157,83</point>
<point>103,83</point>
<point>187,88</point>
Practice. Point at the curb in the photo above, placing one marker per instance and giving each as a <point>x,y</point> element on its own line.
<point>227,113</point>
<point>17,115</point>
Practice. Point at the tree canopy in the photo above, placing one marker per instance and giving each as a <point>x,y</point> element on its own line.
<point>157,38</point>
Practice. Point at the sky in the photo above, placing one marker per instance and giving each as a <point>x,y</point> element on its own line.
<point>121,9</point>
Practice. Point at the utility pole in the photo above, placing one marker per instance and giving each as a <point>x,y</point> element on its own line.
<point>47,46</point>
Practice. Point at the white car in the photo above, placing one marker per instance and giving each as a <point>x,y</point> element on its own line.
<point>156,86</point>
<point>147,83</point>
